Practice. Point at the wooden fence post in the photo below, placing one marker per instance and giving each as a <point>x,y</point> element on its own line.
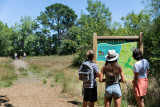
<point>141,41</point>
<point>95,46</point>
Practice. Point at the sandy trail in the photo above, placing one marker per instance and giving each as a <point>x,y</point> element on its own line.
<point>31,92</point>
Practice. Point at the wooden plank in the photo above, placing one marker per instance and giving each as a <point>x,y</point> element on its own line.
<point>141,41</point>
<point>95,46</point>
<point>119,37</point>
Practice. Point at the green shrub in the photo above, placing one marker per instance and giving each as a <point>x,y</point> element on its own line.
<point>81,55</point>
<point>67,47</point>
<point>52,85</point>
<point>44,81</point>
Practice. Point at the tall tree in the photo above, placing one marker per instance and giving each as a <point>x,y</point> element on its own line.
<point>6,40</point>
<point>98,20</point>
<point>58,18</point>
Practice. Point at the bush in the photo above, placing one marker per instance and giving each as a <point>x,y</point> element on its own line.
<point>67,47</point>
<point>81,55</point>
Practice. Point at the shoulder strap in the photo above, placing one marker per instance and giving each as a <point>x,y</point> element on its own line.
<point>92,74</point>
<point>90,65</point>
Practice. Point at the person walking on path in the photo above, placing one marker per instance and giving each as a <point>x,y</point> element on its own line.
<point>90,87</point>
<point>113,74</point>
<point>15,56</point>
<point>24,56</point>
<point>141,73</point>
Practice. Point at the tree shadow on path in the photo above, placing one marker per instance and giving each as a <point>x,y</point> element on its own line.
<point>75,102</point>
<point>4,100</point>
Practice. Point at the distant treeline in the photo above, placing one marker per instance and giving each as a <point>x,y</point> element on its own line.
<point>58,31</point>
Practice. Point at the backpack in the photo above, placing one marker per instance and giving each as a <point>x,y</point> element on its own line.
<point>86,72</point>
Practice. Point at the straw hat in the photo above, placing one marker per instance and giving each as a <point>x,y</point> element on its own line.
<point>112,55</point>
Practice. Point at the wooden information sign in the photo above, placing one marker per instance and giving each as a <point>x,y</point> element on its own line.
<point>123,45</point>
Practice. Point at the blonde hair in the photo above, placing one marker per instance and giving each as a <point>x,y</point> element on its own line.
<point>90,54</point>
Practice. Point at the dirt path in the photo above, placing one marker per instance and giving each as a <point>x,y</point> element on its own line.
<point>31,92</point>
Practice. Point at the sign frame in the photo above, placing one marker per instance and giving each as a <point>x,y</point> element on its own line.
<point>139,39</point>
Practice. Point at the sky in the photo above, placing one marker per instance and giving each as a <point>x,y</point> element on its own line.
<point>11,11</point>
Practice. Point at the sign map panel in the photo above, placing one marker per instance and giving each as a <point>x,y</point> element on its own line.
<point>124,49</point>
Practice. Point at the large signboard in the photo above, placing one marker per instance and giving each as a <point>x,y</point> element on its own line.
<point>123,45</point>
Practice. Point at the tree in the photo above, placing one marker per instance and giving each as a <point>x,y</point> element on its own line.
<point>58,18</point>
<point>24,37</point>
<point>135,23</point>
<point>97,21</point>
<point>117,29</point>
<point>151,45</point>
<point>153,7</point>
<point>6,40</point>
<point>99,12</point>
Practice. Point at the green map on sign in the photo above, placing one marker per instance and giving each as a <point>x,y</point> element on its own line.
<point>125,60</point>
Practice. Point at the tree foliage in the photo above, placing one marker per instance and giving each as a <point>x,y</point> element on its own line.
<point>24,36</point>
<point>151,45</point>
<point>135,23</point>
<point>58,18</point>
<point>97,21</point>
<point>6,43</point>
<point>152,7</point>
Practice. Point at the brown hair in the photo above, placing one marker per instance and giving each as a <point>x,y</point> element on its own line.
<point>137,54</point>
<point>90,54</point>
<point>111,68</point>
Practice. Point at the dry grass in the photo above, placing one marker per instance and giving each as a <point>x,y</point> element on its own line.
<point>7,72</point>
<point>58,68</point>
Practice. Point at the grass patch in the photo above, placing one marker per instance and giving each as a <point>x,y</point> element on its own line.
<point>58,68</point>
<point>52,85</point>
<point>23,71</point>
<point>7,72</point>
<point>44,81</point>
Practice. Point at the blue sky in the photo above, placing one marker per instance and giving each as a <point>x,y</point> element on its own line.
<point>12,10</point>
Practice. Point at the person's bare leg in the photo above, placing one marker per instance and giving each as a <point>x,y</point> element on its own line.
<point>91,104</point>
<point>85,103</point>
<point>117,102</point>
<point>141,101</point>
<point>138,100</point>
<point>107,101</point>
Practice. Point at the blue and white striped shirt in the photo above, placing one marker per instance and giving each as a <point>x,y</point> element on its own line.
<point>92,84</point>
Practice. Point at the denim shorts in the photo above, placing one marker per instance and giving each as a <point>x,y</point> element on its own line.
<point>113,90</point>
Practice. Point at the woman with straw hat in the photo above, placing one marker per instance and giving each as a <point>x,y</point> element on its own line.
<point>112,72</point>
